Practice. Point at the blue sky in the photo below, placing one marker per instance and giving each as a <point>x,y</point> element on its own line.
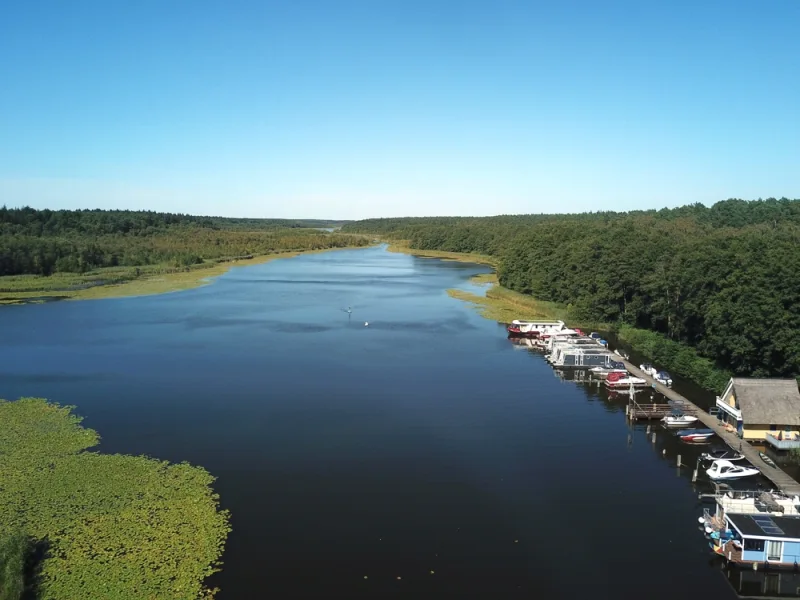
<point>350,109</point>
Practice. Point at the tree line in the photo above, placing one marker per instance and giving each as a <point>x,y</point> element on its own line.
<point>722,279</point>
<point>42,242</point>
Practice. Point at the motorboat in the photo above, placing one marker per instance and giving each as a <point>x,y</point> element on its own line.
<point>604,372</point>
<point>678,420</point>
<point>695,435</point>
<point>724,469</point>
<point>648,369</point>
<point>620,381</point>
<point>664,378</point>
<point>722,454</point>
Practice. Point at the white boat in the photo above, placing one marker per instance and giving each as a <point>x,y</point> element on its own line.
<point>603,372</point>
<point>722,454</point>
<point>663,378</point>
<point>678,420</point>
<point>534,328</point>
<point>721,470</point>
<point>648,369</point>
<point>619,381</point>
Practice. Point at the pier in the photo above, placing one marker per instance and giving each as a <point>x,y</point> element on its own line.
<point>776,475</point>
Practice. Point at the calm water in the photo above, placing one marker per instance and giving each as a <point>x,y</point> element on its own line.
<point>423,456</point>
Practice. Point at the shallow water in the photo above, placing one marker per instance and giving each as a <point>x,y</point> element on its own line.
<point>423,456</point>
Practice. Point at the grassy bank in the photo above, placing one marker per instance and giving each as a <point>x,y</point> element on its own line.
<point>403,248</point>
<point>118,282</point>
<point>503,305</point>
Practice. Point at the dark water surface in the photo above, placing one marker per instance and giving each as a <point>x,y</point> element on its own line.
<point>421,457</point>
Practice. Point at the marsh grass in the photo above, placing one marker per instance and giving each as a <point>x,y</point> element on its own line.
<point>403,248</point>
<point>502,305</point>
<point>118,282</point>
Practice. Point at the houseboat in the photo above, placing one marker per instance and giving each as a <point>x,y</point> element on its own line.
<point>534,328</point>
<point>565,336</point>
<point>580,357</point>
<point>755,528</point>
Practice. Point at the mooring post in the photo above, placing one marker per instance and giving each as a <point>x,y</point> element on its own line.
<point>679,460</point>
<point>755,566</point>
<point>694,476</point>
<point>648,430</point>
<point>654,437</point>
<point>664,452</point>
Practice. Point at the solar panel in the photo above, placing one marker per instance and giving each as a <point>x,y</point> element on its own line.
<point>768,526</point>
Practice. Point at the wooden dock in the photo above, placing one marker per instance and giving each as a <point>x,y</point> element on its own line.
<point>638,411</point>
<point>780,479</point>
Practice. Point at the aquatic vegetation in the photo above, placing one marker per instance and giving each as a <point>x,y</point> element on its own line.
<point>112,526</point>
<point>502,305</point>
<point>14,550</point>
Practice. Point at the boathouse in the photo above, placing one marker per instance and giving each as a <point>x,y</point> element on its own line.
<point>762,409</point>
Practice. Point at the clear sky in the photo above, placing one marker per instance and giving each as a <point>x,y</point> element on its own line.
<point>350,109</point>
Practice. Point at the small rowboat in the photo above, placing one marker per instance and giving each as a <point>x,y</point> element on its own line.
<point>768,460</point>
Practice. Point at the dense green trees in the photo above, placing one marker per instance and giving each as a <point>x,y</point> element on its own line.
<point>724,279</point>
<point>42,242</point>
<point>114,526</point>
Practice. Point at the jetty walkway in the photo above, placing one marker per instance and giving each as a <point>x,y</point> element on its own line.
<point>781,480</point>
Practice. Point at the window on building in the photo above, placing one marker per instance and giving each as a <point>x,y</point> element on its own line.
<point>754,545</point>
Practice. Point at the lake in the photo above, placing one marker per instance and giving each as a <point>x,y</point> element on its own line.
<point>423,456</point>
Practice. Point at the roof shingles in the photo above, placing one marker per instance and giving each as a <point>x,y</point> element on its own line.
<point>768,401</point>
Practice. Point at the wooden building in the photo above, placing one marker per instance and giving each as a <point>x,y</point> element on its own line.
<point>761,408</point>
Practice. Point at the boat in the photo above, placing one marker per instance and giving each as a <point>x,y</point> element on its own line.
<point>614,366</point>
<point>678,420</point>
<point>767,460</point>
<point>722,454</point>
<point>721,470</point>
<point>754,529</point>
<point>620,381</point>
<point>648,369</point>
<point>664,378</point>
<point>534,328</point>
<point>695,435</point>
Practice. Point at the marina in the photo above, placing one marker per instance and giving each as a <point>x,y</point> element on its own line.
<point>748,529</point>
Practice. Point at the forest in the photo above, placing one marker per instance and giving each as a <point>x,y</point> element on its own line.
<point>43,242</point>
<point>723,279</point>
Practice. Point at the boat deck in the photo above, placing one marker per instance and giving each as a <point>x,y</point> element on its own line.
<point>777,476</point>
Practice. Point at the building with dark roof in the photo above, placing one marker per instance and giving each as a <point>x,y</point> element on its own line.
<point>760,409</point>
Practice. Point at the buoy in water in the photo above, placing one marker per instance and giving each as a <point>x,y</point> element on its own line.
<point>366,324</point>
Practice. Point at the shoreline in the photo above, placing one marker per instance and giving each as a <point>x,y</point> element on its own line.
<point>147,284</point>
<point>503,305</point>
